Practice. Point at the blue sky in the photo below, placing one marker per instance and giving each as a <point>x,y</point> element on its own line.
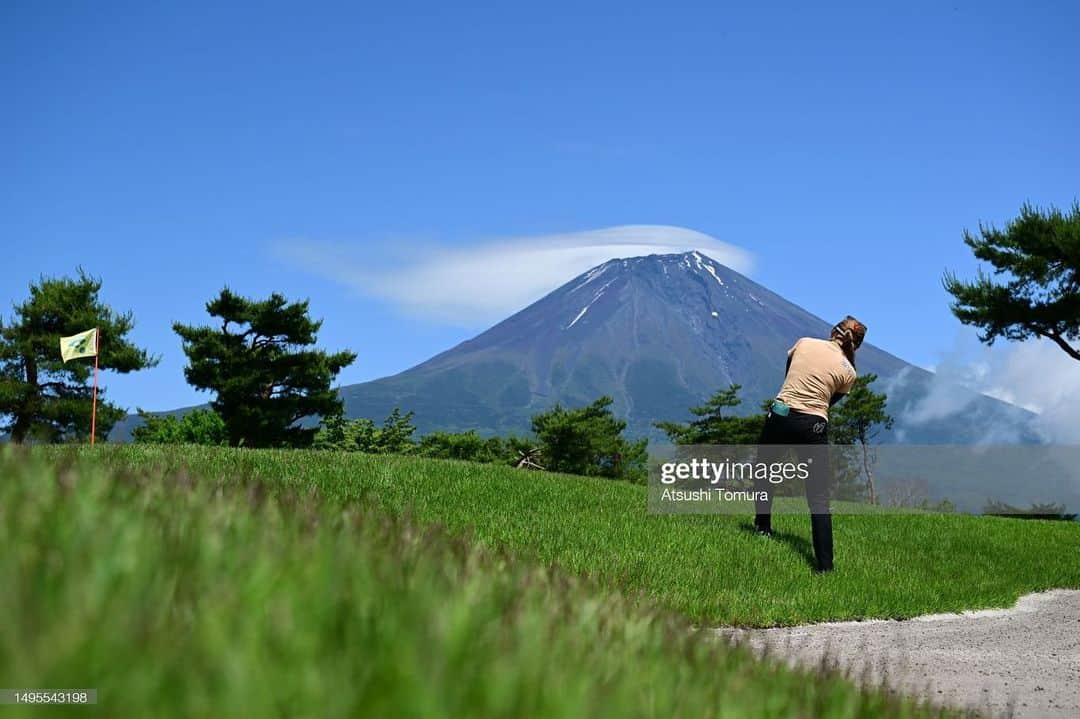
<point>330,151</point>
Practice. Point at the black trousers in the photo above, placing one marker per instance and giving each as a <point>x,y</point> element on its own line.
<point>810,436</point>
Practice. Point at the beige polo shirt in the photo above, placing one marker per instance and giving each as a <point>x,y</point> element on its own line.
<point>818,370</point>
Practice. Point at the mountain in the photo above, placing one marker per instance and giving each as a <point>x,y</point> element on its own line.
<point>659,334</point>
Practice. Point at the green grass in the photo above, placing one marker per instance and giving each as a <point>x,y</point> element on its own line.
<point>711,569</point>
<point>177,594</point>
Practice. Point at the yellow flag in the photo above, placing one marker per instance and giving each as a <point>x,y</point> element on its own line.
<point>83,344</point>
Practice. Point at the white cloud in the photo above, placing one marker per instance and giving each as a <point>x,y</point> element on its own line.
<point>1042,378</point>
<point>482,283</point>
<point>1035,375</point>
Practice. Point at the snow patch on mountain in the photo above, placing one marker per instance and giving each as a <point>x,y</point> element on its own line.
<point>591,303</point>
<point>591,275</point>
<point>703,263</point>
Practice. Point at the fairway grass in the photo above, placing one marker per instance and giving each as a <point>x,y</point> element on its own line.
<point>175,594</point>
<point>711,569</point>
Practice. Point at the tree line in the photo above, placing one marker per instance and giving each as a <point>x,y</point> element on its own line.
<point>587,440</point>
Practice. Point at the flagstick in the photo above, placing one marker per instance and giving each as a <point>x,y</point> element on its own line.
<point>93,410</point>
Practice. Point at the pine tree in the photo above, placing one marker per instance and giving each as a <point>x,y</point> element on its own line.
<point>1038,257</point>
<point>714,424</point>
<point>588,441</point>
<point>257,364</point>
<point>41,397</point>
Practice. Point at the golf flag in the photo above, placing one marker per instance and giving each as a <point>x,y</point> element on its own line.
<point>84,344</point>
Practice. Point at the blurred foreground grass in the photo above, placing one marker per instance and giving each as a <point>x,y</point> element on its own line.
<point>207,592</point>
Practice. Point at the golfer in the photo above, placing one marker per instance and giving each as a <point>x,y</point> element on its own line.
<point>819,374</point>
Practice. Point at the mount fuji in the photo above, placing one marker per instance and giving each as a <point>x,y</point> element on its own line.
<point>659,334</point>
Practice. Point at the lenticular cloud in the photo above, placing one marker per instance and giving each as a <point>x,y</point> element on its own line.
<point>477,284</point>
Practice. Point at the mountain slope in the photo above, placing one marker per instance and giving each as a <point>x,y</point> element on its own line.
<point>659,334</point>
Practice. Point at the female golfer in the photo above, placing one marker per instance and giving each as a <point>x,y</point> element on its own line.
<point>819,374</point>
